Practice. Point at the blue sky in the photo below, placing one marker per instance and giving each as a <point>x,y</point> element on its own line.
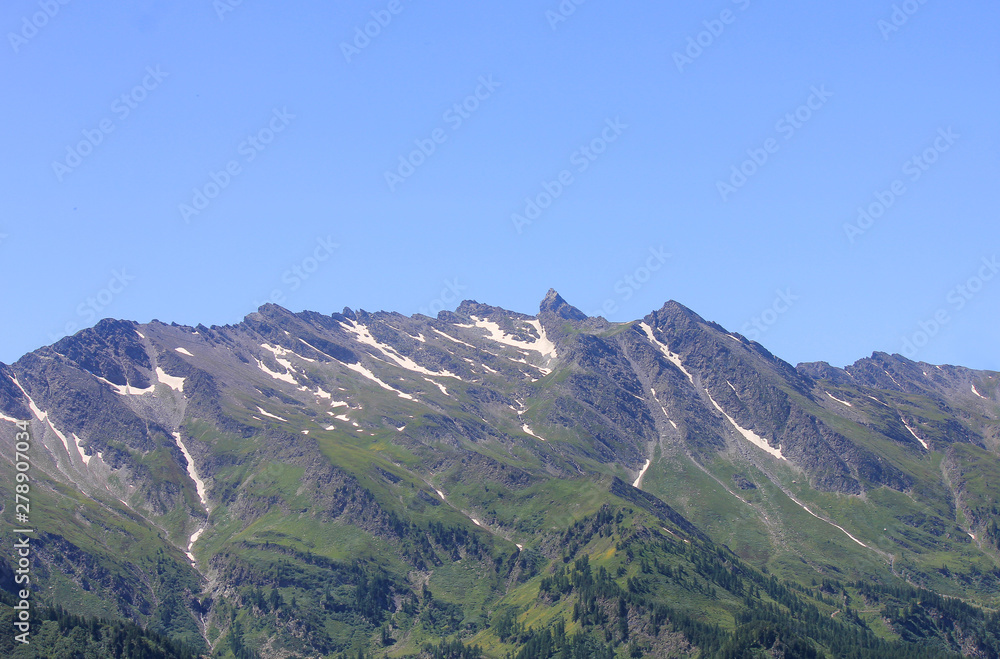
<point>188,163</point>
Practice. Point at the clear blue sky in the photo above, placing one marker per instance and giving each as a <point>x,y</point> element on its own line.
<point>839,98</point>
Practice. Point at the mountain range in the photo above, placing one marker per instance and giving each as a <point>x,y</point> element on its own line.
<point>488,483</point>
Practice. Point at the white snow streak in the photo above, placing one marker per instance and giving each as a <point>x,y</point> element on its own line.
<point>526,429</point>
<point>750,435</point>
<point>674,359</point>
<point>653,391</point>
<point>42,416</point>
<point>438,385</point>
<point>365,337</point>
<point>922,442</point>
<point>892,378</point>
<point>837,399</point>
<point>273,416</point>
<point>358,368</point>
<point>803,506</point>
<point>451,338</point>
<point>192,472</point>
<point>284,377</point>
<point>977,393</point>
<point>642,472</point>
<point>79,447</point>
<point>183,352</point>
<point>278,351</point>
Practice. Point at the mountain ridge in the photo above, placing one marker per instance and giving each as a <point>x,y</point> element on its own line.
<point>234,447</point>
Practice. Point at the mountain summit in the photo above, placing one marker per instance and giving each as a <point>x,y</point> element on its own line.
<point>553,303</point>
<point>309,484</point>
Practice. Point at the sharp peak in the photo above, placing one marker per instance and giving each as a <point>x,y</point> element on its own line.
<point>554,303</point>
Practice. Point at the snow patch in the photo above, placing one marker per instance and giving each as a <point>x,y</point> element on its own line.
<point>749,435</point>
<point>183,352</point>
<point>653,391</point>
<point>892,378</point>
<point>526,429</point>
<point>323,394</point>
<point>365,337</point>
<point>284,377</point>
<point>674,359</point>
<point>438,385</point>
<point>273,416</point>
<point>476,521</point>
<point>451,338</point>
<point>836,526</point>
<point>642,472</point>
<point>977,393</point>
<point>317,350</point>
<point>278,351</point>
<point>541,345</point>
<point>922,442</point>
<point>126,389</point>
<point>175,383</point>
<point>191,541</point>
<point>199,484</point>
<point>140,333</point>
<point>358,368</point>
<point>79,447</point>
<point>837,399</point>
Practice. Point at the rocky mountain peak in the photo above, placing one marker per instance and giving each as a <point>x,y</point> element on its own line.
<point>554,303</point>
